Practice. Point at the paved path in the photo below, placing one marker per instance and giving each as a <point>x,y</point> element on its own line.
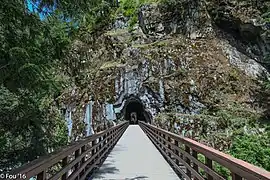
<point>135,158</point>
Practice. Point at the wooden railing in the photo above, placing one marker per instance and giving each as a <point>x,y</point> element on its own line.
<point>75,161</point>
<point>193,160</point>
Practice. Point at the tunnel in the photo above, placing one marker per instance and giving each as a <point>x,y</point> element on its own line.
<point>134,107</point>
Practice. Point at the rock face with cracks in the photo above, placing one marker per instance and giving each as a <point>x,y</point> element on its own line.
<point>179,59</point>
<point>192,67</point>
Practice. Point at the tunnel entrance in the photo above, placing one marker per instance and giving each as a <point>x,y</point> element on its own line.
<point>134,112</point>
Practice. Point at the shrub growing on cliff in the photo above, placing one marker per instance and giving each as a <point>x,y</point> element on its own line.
<point>130,8</point>
<point>254,149</point>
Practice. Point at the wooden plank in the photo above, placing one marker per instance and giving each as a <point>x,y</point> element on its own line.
<point>41,175</point>
<point>237,166</point>
<point>114,141</point>
<point>77,154</point>
<point>64,164</point>
<point>75,161</point>
<point>195,155</point>
<point>176,151</point>
<point>92,159</point>
<point>197,175</point>
<point>195,166</point>
<point>209,163</point>
<point>169,145</point>
<point>163,153</point>
<point>187,149</point>
<point>203,166</point>
<point>35,167</point>
<point>236,177</point>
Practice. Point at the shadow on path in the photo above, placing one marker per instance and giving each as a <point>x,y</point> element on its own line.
<point>107,168</point>
<point>137,178</point>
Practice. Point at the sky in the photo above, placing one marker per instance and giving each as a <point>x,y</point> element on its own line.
<point>33,8</point>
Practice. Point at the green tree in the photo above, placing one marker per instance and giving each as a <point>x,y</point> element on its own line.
<point>30,123</point>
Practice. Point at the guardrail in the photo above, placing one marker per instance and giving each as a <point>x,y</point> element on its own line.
<point>75,161</point>
<point>180,151</point>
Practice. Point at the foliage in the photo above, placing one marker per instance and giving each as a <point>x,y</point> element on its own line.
<point>130,8</point>
<point>31,124</point>
<point>35,71</point>
<point>254,149</point>
<point>234,129</point>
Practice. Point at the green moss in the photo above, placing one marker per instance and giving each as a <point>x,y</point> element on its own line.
<point>234,75</point>
<point>129,8</point>
<point>110,64</point>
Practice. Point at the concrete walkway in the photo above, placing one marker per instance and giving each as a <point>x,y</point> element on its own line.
<point>135,158</point>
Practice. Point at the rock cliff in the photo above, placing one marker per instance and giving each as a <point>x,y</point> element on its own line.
<point>196,67</point>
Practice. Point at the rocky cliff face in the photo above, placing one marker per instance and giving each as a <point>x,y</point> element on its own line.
<point>182,58</point>
<point>179,52</point>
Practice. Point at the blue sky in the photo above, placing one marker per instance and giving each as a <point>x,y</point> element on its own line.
<point>33,8</point>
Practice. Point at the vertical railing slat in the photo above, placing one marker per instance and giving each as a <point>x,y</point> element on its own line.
<point>169,146</point>
<point>176,151</point>
<point>64,163</point>
<point>41,175</point>
<point>209,163</point>
<point>83,149</point>
<point>195,166</point>
<point>187,149</point>
<point>236,177</point>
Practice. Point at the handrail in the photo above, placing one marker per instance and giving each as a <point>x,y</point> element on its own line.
<point>183,153</point>
<point>76,161</point>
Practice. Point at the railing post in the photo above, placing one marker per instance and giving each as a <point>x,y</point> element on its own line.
<point>99,146</point>
<point>105,141</point>
<point>41,175</point>
<point>236,177</point>
<point>169,146</point>
<point>209,163</point>
<point>94,142</point>
<point>77,154</point>
<point>176,152</point>
<point>64,163</point>
<point>160,140</point>
<point>195,166</point>
<point>164,142</point>
<point>157,138</point>
<point>156,135</point>
<point>110,139</point>
<point>113,136</point>
<point>187,149</point>
<point>77,165</point>
<point>83,149</point>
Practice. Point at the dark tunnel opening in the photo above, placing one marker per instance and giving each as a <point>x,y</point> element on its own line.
<point>135,112</point>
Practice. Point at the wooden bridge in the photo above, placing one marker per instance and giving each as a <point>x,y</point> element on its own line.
<point>137,152</point>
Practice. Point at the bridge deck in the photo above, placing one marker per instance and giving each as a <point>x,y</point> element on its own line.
<point>135,158</point>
